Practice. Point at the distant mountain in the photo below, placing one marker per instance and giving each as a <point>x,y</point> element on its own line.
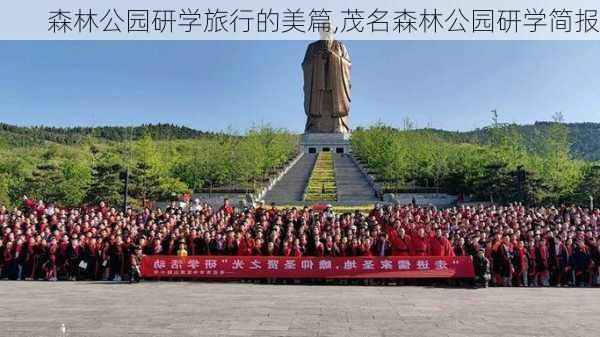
<point>584,137</point>
<point>24,136</point>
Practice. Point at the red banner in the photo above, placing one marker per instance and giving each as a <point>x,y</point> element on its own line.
<point>242,267</point>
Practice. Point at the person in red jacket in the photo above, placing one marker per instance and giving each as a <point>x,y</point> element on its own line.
<point>297,249</point>
<point>286,249</point>
<point>50,265</point>
<point>366,247</point>
<point>10,269</point>
<point>270,250</point>
<point>541,263</point>
<point>227,208</point>
<point>420,244</point>
<point>531,270</point>
<point>402,244</point>
<point>439,245</point>
<point>521,258</point>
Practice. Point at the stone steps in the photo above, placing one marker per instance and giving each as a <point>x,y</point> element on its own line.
<point>352,185</point>
<point>290,188</point>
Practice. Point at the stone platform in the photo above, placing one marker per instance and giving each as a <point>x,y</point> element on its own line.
<point>157,309</point>
<point>318,142</point>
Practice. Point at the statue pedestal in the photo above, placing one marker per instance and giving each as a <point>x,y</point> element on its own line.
<point>323,142</point>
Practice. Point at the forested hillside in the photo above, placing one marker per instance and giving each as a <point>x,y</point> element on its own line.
<point>546,162</point>
<point>534,164</point>
<point>583,138</point>
<point>25,136</point>
<point>77,165</point>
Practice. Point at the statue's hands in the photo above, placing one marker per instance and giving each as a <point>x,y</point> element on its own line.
<point>339,114</point>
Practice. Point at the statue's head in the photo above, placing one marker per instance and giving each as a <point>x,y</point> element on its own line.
<point>326,32</point>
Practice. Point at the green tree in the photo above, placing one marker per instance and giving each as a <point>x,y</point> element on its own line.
<point>589,185</point>
<point>144,183</point>
<point>43,181</point>
<point>75,182</point>
<point>5,199</point>
<point>106,184</point>
<point>495,183</point>
<point>560,173</point>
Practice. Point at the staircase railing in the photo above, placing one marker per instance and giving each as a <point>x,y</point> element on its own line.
<point>261,194</point>
<point>370,178</point>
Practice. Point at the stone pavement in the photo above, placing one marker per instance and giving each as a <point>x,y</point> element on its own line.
<point>237,309</point>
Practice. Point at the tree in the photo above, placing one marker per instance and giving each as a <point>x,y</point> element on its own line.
<point>528,187</point>
<point>5,190</point>
<point>560,172</point>
<point>144,183</point>
<point>169,186</point>
<point>106,184</point>
<point>589,185</point>
<point>76,179</point>
<point>43,181</point>
<point>495,183</point>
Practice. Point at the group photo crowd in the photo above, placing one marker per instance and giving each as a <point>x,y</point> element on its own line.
<point>512,245</point>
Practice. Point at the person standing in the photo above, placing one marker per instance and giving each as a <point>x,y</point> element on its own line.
<point>383,247</point>
<point>482,269</point>
<point>521,265</point>
<point>117,256</point>
<point>541,263</point>
<point>74,258</point>
<point>181,251</point>
<point>402,245</point>
<point>439,245</point>
<point>420,244</point>
<point>581,262</point>
<point>135,263</point>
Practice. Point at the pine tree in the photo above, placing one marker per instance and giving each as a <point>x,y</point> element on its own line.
<point>43,182</point>
<point>106,185</point>
<point>589,186</point>
<point>145,184</point>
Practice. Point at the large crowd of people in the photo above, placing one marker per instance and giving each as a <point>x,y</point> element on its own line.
<point>525,246</point>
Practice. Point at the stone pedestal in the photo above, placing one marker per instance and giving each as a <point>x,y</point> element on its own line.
<point>318,142</point>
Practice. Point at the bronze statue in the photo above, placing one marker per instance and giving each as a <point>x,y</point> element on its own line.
<point>327,86</point>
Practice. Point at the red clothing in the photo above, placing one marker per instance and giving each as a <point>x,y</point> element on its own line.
<point>541,258</point>
<point>319,250</point>
<point>421,246</point>
<point>460,251</point>
<point>30,204</point>
<point>296,252</point>
<point>523,261</point>
<point>287,251</point>
<point>365,250</point>
<point>257,251</point>
<point>402,246</point>
<point>440,247</point>
<point>246,246</point>
<point>228,210</point>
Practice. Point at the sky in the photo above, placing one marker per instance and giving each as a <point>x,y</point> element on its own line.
<point>234,85</point>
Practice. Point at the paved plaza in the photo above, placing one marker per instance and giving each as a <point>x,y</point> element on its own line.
<point>237,309</point>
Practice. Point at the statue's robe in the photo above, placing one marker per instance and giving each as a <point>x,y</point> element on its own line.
<point>327,87</point>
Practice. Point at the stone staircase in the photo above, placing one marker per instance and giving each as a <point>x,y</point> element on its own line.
<point>352,186</point>
<point>290,188</point>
